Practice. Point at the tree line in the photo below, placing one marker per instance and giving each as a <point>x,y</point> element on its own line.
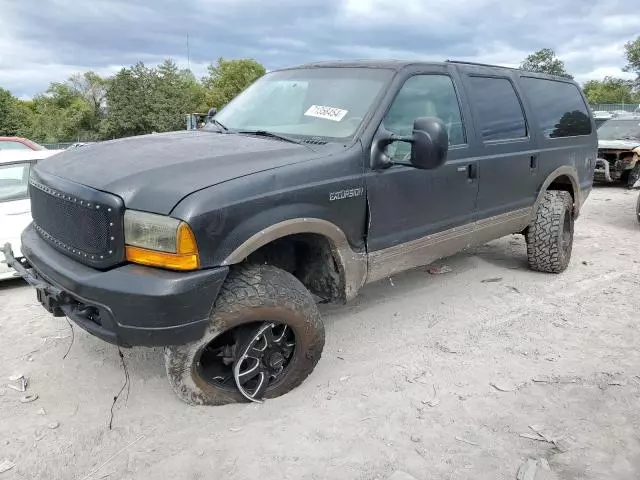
<point>135,101</point>
<point>141,99</point>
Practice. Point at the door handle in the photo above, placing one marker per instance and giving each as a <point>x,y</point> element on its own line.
<point>472,171</point>
<point>533,161</point>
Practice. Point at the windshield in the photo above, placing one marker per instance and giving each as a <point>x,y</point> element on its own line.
<point>14,179</point>
<point>314,102</point>
<point>618,129</point>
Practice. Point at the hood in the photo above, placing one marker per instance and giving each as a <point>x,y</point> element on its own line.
<point>154,172</point>
<point>619,144</point>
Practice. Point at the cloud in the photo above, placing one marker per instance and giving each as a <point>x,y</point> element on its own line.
<point>59,37</point>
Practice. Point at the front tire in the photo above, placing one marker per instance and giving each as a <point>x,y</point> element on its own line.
<point>251,295</point>
<point>550,235</point>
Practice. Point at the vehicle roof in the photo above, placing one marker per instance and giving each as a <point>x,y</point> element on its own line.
<point>8,156</point>
<point>400,64</point>
<point>14,139</point>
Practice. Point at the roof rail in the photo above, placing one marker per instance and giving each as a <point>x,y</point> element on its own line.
<point>479,64</point>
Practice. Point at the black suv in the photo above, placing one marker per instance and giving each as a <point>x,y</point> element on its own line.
<point>219,243</point>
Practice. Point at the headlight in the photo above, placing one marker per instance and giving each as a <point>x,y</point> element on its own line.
<point>159,241</point>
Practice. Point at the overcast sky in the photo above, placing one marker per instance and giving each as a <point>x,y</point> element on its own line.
<point>47,40</point>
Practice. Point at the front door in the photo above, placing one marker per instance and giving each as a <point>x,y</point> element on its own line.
<point>417,216</point>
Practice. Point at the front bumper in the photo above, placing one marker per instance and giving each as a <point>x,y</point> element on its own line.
<point>128,305</point>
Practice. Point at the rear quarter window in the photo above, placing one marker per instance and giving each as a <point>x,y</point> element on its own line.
<point>558,106</point>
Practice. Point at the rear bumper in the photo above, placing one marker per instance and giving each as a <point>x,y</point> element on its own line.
<point>129,305</point>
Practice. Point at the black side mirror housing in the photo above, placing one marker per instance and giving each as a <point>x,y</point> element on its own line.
<point>429,143</point>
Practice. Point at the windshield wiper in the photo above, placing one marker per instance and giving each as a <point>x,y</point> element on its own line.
<point>219,125</point>
<point>265,133</point>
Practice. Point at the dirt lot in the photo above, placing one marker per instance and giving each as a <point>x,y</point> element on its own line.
<point>565,349</point>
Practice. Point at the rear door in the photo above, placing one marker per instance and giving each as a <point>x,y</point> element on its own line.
<point>507,151</point>
<point>567,132</point>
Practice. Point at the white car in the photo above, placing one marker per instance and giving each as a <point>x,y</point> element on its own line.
<point>15,209</point>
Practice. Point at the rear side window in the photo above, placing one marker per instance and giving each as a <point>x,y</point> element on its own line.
<point>560,109</point>
<point>498,108</point>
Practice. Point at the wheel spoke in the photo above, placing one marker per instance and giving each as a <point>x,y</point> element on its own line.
<point>256,353</point>
<point>261,387</point>
<point>244,376</point>
<point>281,337</point>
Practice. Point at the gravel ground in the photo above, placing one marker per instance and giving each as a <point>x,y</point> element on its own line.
<point>435,375</point>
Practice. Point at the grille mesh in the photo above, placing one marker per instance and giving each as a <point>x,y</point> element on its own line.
<point>74,225</point>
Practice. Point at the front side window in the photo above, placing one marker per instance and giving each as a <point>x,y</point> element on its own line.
<point>559,107</point>
<point>424,96</point>
<point>14,181</point>
<point>308,102</point>
<point>498,108</point>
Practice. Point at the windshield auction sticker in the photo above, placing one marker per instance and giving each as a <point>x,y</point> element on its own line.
<point>328,113</point>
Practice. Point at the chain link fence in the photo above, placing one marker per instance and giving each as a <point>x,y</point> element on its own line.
<point>612,107</point>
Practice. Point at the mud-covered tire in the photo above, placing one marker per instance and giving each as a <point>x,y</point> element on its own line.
<point>252,293</point>
<point>550,235</point>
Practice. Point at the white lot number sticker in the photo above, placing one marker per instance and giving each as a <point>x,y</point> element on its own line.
<point>328,113</point>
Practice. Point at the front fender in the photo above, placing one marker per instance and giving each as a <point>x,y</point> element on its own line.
<point>263,229</point>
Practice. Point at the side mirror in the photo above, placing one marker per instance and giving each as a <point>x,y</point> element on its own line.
<point>429,143</point>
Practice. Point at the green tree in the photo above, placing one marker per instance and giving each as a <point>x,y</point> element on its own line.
<point>545,61</point>
<point>130,102</point>
<point>177,92</point>
<point>609,90</point>
<point>141,100</point>
<point>9,118</point>
<point>92,88</point>
<point>632,52</point>
<point>228,78</point>
<point>61,114</point>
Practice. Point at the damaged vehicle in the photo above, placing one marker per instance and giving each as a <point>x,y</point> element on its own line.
<point>619,151</point>
<point>218,243</point>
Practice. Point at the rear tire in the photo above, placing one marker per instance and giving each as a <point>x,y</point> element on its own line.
<point>550,235</point>
<point>250,294</point>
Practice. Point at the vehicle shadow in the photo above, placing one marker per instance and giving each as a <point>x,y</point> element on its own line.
<point>12,283</point>
<point>507,254</point>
